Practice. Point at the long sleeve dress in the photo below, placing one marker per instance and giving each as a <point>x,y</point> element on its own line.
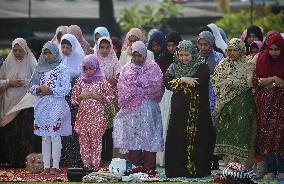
<point>189,144</point>
<point>52,113</point>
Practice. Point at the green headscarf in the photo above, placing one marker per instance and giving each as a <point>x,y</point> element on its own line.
<point>178,69</point>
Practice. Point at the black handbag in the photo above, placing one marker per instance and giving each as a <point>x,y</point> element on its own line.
<point>76,174</point>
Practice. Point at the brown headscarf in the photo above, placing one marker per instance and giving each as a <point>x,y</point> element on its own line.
<point>77,32</point>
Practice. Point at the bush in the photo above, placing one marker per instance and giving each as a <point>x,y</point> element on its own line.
<point>4,53</point>
<point>148,17</point>
<point>235,24</point>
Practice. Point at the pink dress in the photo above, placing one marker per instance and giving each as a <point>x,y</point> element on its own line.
<point>90,117</point>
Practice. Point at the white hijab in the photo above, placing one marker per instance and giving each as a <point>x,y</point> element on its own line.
<point>219,42</point>
<point>75,58</point>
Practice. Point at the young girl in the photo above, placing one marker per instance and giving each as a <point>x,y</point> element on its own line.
<point>110,68</point>
<point>50,84</point>
<point>91,93</point>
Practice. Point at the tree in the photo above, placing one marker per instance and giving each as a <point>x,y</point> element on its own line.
<point>106,13</point>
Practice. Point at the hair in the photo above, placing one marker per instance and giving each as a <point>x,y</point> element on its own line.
<point>64,41</point>
<point>104,41</point>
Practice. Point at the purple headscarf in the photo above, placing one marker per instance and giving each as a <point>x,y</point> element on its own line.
<point>91,61</point>
<point>137,84</point>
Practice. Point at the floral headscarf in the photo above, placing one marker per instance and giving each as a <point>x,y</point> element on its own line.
<point>178,69</point>
<point>133,32</point>
<point>232,77</point>
<point>91,61</point>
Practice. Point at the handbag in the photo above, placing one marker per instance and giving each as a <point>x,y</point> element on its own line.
<point>76,174</point>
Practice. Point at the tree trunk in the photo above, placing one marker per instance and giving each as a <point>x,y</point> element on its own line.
<point>106,12</point>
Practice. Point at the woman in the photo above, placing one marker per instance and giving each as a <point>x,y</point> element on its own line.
<point>133,35</point>
<point>60,31</point>
<point>254,33</point>
<point>72,56</point>
<point>235,108</point>
<point>16,106</point>
<point>269,96</point>
<point>165,60</point>
<point>255,48</point>
<point>117,45</point>
<point>77,32</point>
<point>137,127</point>
<point>205,43</point>
<point>188,152</point>
<point>100,32</point>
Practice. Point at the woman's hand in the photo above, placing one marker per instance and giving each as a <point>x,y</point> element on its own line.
<point>278,81</point>
<point>189,80</point>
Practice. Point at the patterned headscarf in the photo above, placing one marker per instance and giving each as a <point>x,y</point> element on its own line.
<point>178,69</point>
<point>232,77</point>
<point>91,61</point>
<point>209,56</point>
<point>42,65</point>
<point>109,65</point>
<point>133,32</point>
<point>77,32</point>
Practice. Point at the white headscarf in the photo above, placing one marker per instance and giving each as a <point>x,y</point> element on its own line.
<point>76,56</point>
<point>219,42</point>
<point>59,29</point>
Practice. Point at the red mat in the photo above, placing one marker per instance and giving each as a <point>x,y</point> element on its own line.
<point>22,175</point>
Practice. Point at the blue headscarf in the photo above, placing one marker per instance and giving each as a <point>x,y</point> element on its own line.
<point>159,38</point>
<point>42,65</point>
<point>102,31</point>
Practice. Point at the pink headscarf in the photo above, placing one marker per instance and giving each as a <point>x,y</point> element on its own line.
<point>244,35</point>
<point>77,32</point>
<point>109,64</point>
<point>139,83</point>
<point>133,32</point>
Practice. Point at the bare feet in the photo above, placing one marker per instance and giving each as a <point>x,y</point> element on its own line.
<point>46,171</point>
<point>55,171</point>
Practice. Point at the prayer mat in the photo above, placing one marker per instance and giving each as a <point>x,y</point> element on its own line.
<point>22,175</point>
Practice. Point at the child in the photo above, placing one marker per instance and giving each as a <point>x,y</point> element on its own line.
<point>91,93</point>
<point>50,84</point>
<point>110,68</point>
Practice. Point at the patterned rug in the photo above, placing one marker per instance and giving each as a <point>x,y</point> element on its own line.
<point>23,175</point>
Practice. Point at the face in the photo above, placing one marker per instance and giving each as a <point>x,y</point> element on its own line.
<point>137,58</point>
<point>59,36</point>
<point>252,37</point>
<point>203,45</point>
<point>89,71</point>
<point>48,56</point>
<point>66,49</point>
<point>185,57</point>
<point>104,49</point>
<point>233,53</point>
<point>97,36</point>
<point>172,47</point>
<point>253,51</point>
<point>18,52</point>
<point>274,51</point>
<point>132,39</point>
<point>156,47</point>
